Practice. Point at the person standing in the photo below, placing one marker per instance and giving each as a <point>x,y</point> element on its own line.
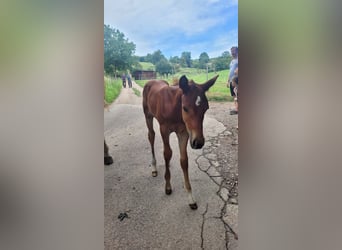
<point>233,73</point>
<point>129,79</point>
<point>123,77</point>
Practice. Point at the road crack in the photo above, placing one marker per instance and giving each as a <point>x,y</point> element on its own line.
<point>202,228</point>
<point>209,150</point>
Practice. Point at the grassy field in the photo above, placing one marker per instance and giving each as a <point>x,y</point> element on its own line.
<point>218,92</point>
<point>112,88</point>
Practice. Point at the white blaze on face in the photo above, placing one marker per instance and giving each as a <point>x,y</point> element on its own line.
<point>198,101</point>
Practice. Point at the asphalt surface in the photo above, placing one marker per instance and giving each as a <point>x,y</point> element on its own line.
<point>138,213</point>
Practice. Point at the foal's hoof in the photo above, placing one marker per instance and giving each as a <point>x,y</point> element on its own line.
<point>154,173</point>
<point>108,160</point>
<point>168,191</point>
<point>193,206</point>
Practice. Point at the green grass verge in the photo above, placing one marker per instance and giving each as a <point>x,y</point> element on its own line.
<point>112,89</point>
<point>219,92</point>
<point>136,92</point>
<point>141,83</point>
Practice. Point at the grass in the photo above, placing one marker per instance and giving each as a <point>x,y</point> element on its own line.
<point>218,92</point>
<point>136,92</point>
<point>141,83</point>
<point>112,89</point>
<point>147,66</point>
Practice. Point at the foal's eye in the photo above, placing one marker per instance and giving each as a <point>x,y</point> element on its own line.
<point>185,109</point>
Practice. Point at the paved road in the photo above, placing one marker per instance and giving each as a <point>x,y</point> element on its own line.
<point>155,220</point>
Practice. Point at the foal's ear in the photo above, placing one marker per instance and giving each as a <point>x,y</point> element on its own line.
<point>184,84</point>
<point>209,83</point>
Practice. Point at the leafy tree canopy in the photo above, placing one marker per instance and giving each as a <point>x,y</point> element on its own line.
<point>222,62</point>
<point>186,59</point>
<point>118,51</point>
<point>203,60</point>
<point>163,67</point>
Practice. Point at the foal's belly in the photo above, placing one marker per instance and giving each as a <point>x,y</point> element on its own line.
<point>173,127</point>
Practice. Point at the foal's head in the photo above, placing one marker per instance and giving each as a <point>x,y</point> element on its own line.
<point>194,105</point>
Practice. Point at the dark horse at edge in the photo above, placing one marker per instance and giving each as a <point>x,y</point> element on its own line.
<point>180,109</point>
<point>108,160</point>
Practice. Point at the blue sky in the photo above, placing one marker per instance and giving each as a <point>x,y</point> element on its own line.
<point>175,26</point>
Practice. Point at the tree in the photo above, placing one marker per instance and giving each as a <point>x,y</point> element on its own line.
<point>186,59</point>
<point>148,58</point>
<point>203,60</point>
<point>195,64</point>
<point>157,56</point>
<point>174,60</point>
<point>163,67</point>
<point>118,51</point>
<point>175,63</point>
<point>222,62</point>
<point>142,58</point>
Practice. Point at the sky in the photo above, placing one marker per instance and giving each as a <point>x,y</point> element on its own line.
<point>175,26</point>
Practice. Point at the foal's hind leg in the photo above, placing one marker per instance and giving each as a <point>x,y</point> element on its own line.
<point>183,142</point>
<point>151,136</point>
<point>167,157</point>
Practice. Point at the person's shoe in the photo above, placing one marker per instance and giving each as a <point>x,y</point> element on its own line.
<point>233,112</point>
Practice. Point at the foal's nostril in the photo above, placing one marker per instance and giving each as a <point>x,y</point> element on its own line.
<point>197,144</point>
<point>194,143</point>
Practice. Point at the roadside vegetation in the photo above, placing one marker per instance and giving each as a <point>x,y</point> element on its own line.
<point>119,59</point>
<point>112,88</point>
<point>136,92</point>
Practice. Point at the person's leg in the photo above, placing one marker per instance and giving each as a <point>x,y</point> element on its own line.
<point>236,97</point>
<point>237,102</point>
<point>232,93</point>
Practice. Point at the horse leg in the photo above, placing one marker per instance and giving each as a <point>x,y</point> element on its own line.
<point>107,158</point>
<point>151,136</point>
<point>167,157</point>
<point>183,142</point>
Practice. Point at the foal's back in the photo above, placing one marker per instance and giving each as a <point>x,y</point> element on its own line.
<point>162,101</point>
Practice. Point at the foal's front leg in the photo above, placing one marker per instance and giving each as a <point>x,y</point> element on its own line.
<point>183,142</point>
<point>167,157</point>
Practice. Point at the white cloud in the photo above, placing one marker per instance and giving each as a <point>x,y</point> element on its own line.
<point>214,48</point>
<point>189,17</point>
<point>146,23</point>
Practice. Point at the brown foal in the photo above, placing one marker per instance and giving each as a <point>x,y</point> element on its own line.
<point>178,109</point>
